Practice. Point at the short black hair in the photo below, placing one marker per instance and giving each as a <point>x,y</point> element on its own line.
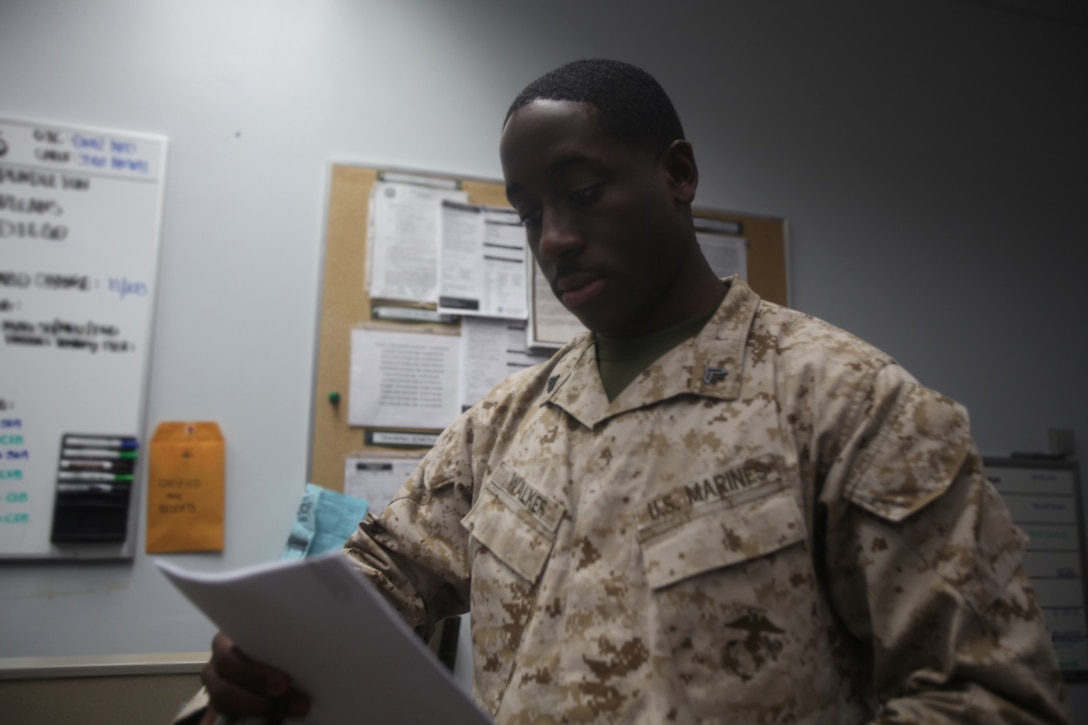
<point>632,107</point>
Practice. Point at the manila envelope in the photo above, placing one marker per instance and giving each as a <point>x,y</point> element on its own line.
<point>185,488</point>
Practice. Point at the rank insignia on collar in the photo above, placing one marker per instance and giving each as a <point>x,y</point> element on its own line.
<point>551,382</point>
<point>713,375</point>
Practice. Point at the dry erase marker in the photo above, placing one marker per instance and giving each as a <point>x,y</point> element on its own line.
<point>92,453</point>
<point>95,465</point>
<point>101,442</point>
<point>93,476</point>
<point>85,488</point>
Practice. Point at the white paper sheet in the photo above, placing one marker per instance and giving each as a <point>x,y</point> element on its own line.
<point>323,522</point>
<point>402,248</point>
<point>551,325</point>
<point>506,253</point>
<point>376,479</point>
<point>490,350</point>
<point>403,379</point>
<point>482,258</point>
<point>460,242</point>
<point>322,623</point>
<point>727,255</point>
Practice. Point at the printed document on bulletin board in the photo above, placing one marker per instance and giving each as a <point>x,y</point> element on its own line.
<point>403,379</point>
<point>80,214</point>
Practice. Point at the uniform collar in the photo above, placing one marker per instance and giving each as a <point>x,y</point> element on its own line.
<point>709,365</point>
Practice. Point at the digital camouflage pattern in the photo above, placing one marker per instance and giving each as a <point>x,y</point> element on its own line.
<point>773,523</point>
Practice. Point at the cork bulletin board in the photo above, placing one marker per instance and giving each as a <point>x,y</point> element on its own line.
<point>345,304</point>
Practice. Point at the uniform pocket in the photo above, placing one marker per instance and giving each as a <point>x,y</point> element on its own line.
<point>914,459</point>
<point>515,522</point>
<point>722,536</point>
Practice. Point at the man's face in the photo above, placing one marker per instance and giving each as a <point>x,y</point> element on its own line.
<point>602,217</point>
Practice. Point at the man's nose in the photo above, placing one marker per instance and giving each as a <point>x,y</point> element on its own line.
<point>559,237</point>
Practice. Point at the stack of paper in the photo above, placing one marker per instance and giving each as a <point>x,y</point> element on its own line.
<point>321,622</point>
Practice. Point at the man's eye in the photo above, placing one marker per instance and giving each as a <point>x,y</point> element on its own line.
<point>531,219</point>
<point>586,195</point>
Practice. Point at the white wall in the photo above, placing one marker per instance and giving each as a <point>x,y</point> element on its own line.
<point>930,155</point>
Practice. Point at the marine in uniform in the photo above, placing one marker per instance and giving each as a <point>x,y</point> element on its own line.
<point>710,508</point>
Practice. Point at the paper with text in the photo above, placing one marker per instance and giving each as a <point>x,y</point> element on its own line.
<point>491,350</point>
<point>402,248</point>
<point>726,255</point>
<point>324,521</point>
<point>551,325</point>
<point>322,623</point>
<point>403,379</point>
<point>377,479</point>
<point>482,258</point>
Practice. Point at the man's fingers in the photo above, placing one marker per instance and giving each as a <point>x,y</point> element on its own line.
<point>232,665</point>
<point>238,685</point>
<point>298,704</point>
<point>232,699</point>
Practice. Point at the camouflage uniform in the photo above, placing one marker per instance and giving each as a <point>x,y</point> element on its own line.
<point>772,523</point>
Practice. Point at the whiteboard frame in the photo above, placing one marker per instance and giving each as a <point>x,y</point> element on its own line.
<point>125,549</point>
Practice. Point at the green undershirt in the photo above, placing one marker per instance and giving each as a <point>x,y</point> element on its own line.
<point>621,359</point>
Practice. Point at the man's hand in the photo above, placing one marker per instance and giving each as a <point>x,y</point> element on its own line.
<point>239,686</point>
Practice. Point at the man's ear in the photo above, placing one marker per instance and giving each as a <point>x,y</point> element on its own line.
<point>678,161</point>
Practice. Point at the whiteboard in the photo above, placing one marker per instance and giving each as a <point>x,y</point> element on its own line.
<point>80,215</point>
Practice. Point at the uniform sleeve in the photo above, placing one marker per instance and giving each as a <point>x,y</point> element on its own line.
<point>924,566</point>
<point>415,551</point>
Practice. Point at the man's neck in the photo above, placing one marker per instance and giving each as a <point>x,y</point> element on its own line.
<point>621,359</point>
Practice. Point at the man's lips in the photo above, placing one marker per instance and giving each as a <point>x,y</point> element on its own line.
<point>574,280</point>
<point>578,288</point>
